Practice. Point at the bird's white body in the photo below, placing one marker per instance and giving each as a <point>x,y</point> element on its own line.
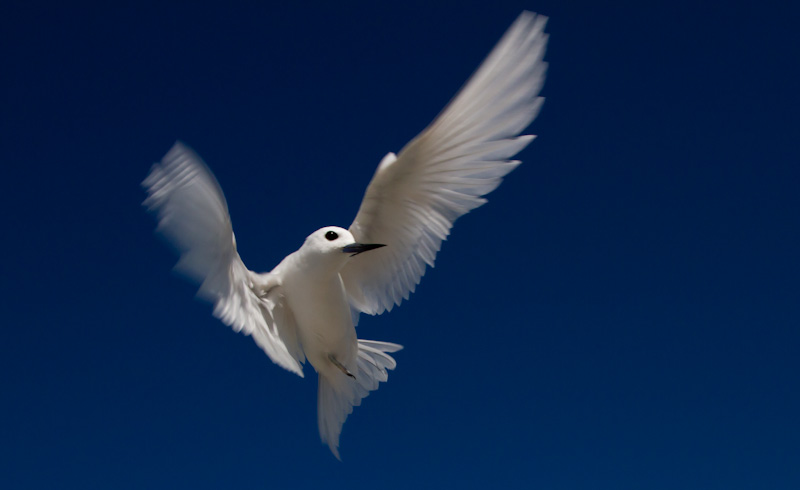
<point>315,293</point>
<point>307,306</point>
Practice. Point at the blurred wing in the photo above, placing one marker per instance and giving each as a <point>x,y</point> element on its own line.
<point>193,215</point>
<point>413,199</point>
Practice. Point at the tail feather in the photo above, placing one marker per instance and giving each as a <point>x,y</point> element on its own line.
<point>337,395</point>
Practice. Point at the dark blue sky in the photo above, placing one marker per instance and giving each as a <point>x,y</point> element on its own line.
<point>623,314</point>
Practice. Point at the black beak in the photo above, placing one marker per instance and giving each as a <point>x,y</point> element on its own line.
<point>357,248</point>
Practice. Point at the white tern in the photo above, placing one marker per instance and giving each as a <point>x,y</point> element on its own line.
<point>307,307</point>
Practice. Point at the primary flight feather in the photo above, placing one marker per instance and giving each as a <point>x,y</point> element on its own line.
<point>307,306</point>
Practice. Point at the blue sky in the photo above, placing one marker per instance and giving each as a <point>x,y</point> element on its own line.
<point>622,314</point>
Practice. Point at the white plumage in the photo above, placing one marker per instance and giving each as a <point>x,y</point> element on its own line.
<point>307,306</point>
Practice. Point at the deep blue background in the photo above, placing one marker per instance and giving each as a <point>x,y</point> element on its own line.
<point>623,313</point>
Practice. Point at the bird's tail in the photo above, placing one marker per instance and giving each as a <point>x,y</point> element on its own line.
<point>338,394</point>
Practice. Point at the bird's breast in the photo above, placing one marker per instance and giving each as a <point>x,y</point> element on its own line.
<point>324,323</point>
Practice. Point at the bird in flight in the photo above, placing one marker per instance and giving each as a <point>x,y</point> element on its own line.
<point>307,307</point>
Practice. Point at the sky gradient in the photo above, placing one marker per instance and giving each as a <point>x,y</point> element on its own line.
<point>622,314</point>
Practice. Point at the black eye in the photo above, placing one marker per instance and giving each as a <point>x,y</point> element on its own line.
<point>331,235</point>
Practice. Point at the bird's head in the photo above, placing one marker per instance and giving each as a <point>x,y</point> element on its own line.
<point>335,244</point>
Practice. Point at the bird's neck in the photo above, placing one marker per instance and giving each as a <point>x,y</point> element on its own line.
<point>319,265</point>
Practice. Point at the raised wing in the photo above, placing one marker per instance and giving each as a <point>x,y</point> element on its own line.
<point>193,215</point>
<point>414,198</point>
